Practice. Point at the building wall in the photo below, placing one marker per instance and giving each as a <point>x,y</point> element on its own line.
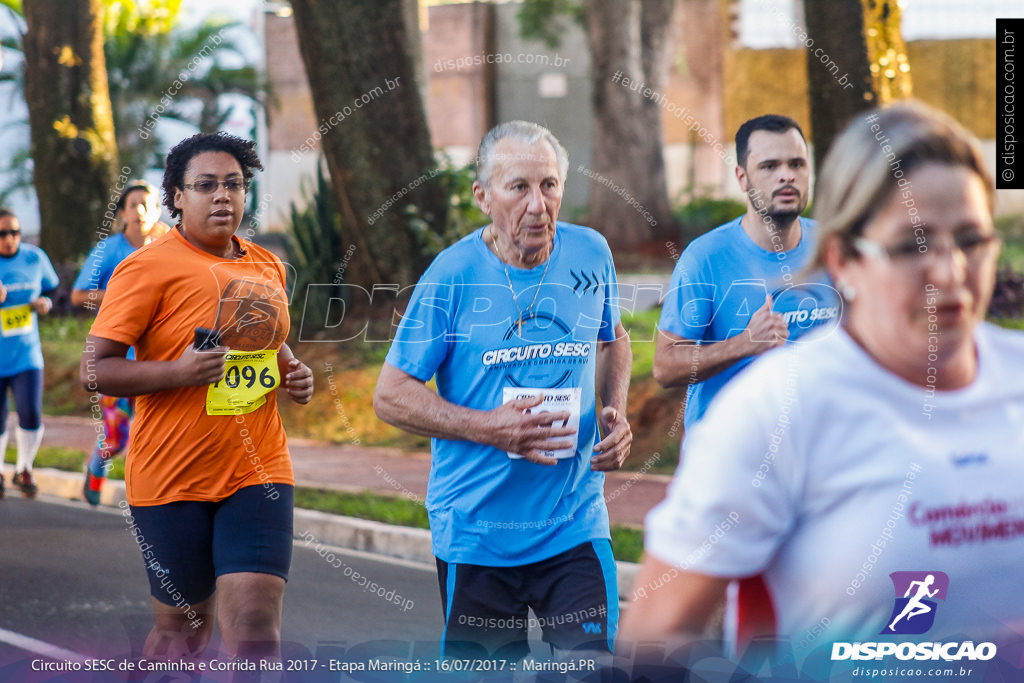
<point>290,121</point>
<point>956,76</point>
<point>459,82</point>
<point>550,87</point>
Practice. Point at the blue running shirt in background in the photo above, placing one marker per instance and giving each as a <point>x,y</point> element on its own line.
<point>722,279</point>
<point>25,276</point>
<point>102,260</point>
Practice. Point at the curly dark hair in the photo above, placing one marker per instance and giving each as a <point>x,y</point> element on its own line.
<point>177,161</point>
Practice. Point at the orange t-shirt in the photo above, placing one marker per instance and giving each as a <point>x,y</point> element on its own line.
<point>154,301</point>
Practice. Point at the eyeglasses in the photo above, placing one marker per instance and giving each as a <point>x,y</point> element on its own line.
<point>974,246</point>
<point>209,185</point>
<point>9,233</point>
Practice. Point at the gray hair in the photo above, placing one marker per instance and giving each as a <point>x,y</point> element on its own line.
<point>858,175</point>
<point>521,131</point>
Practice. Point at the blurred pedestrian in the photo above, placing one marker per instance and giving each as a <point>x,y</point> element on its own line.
<point>138,211</point>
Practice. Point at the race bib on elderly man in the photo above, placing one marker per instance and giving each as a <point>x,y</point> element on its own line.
<point>555,401</point>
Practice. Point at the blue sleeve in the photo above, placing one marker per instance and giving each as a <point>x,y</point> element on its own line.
<point>92,276</point>
<point>689,304</point>
<point>610,316</point>
<point>47,275</point>
<point>424,335</point>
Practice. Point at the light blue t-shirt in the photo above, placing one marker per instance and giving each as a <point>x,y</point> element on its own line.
<point>102,260</point>
<point>722,279</point>
<point>25,276</point>
<point>100,265</point>
<point>462,326</point>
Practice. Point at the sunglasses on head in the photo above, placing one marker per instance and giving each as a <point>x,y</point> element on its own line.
<point>9,233</point>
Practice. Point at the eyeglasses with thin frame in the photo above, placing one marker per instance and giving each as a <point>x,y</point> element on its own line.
<point>210,185</point>
<point>9,233</point>
<point>975,247</point>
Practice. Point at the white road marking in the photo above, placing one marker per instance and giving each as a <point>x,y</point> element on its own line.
<point>39,647</point>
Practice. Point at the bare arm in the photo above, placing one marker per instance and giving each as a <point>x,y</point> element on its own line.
<point>42,305</point>
<point>681,362</point>
<point>296,378</point>
<point>105,369</point>
<point>672,611</point>
<point>407,403</point>
<point>79,297</point>
<point>614,364</point>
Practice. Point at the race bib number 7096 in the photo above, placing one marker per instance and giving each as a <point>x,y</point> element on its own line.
<point>248,377</point>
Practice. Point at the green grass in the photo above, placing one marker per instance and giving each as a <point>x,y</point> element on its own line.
<point>1009,323</point>
<point>69,459</point>
<point>642,328</point>
<point>1011,229</point>
<point>364,505</point>
<point>63,338</point>
<point>627,542</point>
<point>1012,255</point>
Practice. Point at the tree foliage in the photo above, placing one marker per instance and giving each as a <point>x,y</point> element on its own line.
<point>156,70</point>
<point>545,20</point>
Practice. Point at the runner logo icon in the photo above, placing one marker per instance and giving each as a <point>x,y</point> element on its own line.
<point>916,593</point>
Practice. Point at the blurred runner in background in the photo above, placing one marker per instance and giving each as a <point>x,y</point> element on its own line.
<point>138,210</point>
<point>25,273</point>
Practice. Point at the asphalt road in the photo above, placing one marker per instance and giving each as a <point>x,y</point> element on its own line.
<point>72,584</point>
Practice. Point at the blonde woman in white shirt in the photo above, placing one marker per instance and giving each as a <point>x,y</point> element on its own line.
<point>891,444</point>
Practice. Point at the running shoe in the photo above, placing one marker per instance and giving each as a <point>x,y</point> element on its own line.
<point>92,487</point>
<point>23,480</point>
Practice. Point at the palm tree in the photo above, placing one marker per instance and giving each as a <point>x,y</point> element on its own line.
<point>18,167</point>
<point>156,70</point>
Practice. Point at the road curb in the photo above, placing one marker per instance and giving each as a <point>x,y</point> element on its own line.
<point>389,540</point>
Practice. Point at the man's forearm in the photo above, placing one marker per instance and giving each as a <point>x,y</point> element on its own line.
<point>411,406</point>
<point>614,365</point>
<point>79,297</point>
<point>685,362</point>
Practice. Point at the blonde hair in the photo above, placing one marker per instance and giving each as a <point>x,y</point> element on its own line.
<point>872,158</point>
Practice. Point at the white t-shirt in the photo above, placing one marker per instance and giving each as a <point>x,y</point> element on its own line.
<point>820,473</point>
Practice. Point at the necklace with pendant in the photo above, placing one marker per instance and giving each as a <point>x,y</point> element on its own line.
<point>515,299</point>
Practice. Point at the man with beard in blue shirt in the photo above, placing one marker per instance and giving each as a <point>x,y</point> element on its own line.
<point>735,291</point>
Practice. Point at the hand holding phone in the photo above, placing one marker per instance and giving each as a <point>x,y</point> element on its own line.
<point>206,339</point>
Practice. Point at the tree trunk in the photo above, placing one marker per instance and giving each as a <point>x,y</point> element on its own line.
<point>838,27</point>
<point>373,131</point>
<point>73,145</point>
<point>628,39</point>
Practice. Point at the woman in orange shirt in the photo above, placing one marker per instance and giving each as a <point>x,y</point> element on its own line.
<point>208,477</point>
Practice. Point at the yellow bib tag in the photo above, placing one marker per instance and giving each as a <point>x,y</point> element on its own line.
<point>16,320</point>
<point>248,377</point>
